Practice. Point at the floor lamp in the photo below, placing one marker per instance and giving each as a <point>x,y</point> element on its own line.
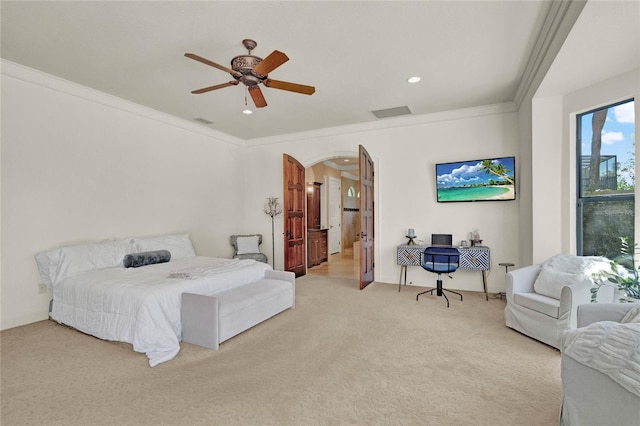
<point>272,208</point>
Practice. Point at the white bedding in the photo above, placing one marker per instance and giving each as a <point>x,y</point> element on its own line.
<point>141,306</point>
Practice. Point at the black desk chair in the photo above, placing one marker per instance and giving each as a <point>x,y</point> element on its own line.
<point>440,260</point>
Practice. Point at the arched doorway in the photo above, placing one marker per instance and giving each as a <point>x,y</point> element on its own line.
<point>333,217</point>
<point>295,235</point>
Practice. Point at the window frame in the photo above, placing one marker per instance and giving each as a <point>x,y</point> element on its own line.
<point>580,200</point>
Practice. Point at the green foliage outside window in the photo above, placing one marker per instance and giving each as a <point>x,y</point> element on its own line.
<point>604,222</point>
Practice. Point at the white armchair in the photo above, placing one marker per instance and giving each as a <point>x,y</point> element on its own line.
<point>589,396</point>
<point>543,302</point>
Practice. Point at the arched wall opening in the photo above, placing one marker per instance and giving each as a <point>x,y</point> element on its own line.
<point>326,169</point>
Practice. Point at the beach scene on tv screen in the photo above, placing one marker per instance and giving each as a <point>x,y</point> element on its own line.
<point>477,180</point>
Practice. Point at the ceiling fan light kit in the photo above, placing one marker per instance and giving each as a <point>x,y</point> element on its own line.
<point>252,71</point>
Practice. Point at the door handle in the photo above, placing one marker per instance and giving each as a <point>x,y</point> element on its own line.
<point>363,234</point>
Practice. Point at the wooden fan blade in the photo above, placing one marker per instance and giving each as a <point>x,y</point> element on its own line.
<point>291,87</point>
<point>270,63</point>
<point>213,64</point>
<point>216,87</point>
<point>257,96</point>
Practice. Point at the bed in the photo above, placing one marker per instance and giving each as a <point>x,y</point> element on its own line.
<point>95,293</point>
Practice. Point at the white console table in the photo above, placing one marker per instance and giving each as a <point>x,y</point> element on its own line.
<point>471,258</point>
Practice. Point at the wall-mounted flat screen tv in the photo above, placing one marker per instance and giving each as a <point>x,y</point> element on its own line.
<point>491,179</point>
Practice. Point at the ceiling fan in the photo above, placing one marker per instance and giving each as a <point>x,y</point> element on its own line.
<point>253,71</point>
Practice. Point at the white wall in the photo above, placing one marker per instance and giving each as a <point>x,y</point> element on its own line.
<point>554,150</point>
<point>525,232</point>
<point>80,166</point>
<point>405,152</point>
<point>549,164</point>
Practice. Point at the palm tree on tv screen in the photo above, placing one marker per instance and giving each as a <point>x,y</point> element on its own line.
<point>497,169</point>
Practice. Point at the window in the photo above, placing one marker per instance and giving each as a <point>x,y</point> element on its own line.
<point>351,193</point>
<point>606,179</point>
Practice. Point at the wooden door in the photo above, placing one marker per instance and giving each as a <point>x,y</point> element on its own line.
<point>294,200</point>
<point>366,218</point>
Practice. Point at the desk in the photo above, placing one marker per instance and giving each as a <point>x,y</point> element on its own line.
<point>476,258</point>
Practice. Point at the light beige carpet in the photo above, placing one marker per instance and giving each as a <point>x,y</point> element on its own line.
<point>342,357</point>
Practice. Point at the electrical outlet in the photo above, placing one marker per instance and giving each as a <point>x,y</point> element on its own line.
<point>42,288</point>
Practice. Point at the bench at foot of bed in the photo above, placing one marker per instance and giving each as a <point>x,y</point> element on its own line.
<point>210,320</point>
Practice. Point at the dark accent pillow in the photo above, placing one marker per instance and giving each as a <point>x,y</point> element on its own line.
<point>135,260</point>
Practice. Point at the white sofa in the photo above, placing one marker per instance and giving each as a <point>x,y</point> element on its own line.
<point>542,299</point>
<point>591,397</point>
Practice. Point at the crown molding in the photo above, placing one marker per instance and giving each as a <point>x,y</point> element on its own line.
<point>388,123</point>
<point>342,167</point>
<point>350,176</point>
<point>51,82</point>
<point>557,24</point>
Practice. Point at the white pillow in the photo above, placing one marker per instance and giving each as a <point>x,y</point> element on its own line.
<point>179,246</point>
<point>550,281</point>
<point>62,262</point>
<point>248,245</point>
<point>584,265</point>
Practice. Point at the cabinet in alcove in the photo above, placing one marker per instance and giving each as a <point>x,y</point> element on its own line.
<point>317,247</point>
<point>316,237</point>
<point>313,205</point>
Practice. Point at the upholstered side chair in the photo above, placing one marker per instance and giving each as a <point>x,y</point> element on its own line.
<point>543,299</point>
<point>248,247</point>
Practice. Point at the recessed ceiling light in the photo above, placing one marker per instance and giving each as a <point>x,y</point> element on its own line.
<point>247,111</point>
<point>413,79</point>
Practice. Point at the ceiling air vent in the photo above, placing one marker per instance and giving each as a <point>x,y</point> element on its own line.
<point>391,112</point>
<point>203,121</point>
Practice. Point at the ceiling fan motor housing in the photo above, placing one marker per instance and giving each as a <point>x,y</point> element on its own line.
<point>244,64</point>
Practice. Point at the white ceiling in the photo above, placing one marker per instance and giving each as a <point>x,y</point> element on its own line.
<point>358,55</point>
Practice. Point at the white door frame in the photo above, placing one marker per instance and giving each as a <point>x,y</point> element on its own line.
<point>335,215</point>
